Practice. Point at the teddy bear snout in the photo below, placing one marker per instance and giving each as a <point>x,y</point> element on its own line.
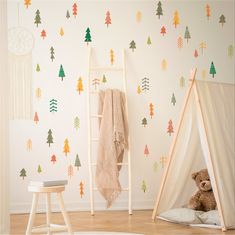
<point>205,185</point>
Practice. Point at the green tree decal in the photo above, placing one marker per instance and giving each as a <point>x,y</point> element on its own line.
<point>39,169</point>
<point>67,14</point>
<point>61,72</point>
<point>50,138</point>
<point>144,122</point>
<point>187,34</point>
<point>182,81</point>
<point>230,51</point>
<point>173,100</point>
<point>88,36</point>
<point>38,68</point>
<point>76,123</point>
<point>212,69</point>
<point>159,10</point>
<point>132,45</point>
<point>23,173</point>
<point>144,187</point>
<point>77,162</point>
<point>222,20</point>
<point>149,41</point>
<point>104,79</point>
<point>155,166</point>
<point>37,19</point>
<point>52,53</point>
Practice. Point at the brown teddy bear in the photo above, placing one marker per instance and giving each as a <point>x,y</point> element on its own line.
<point>203,199</point>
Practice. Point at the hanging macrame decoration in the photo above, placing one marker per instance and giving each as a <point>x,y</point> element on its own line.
<point>20,45</point>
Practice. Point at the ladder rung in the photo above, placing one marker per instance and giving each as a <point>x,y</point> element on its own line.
<point>107,68</point>
<point>123,189</point>
<point>94,92</point>
<point>118,164</point>
<point>96,116</point>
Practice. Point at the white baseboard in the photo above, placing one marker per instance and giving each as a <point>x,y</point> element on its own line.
<point>21,208</point>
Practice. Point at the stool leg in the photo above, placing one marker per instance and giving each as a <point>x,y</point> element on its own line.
<point>65,215</point>
<point>48,205</point>
<point>32,214</point>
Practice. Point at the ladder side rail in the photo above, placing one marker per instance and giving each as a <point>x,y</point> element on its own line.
<point>89,134</point>
<point>129,143</point>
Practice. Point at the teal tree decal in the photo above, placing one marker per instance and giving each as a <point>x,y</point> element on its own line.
<point>212,69</point>
<point>88,36</point>
<point>61,72</point>
<point>53,105</point>
<point>37,19</point>
<point>50,138</point>
<point>159,10</point>
<point>23,173</point>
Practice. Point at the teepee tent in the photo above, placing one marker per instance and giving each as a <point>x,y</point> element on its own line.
<point>204,139</point>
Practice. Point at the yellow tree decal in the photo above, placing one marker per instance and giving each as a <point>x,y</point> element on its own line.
<point>66,147</point>
<point>27,3</point>
<point>164,65</point>
<point>79,85</point>
<point>61,32</point>
<point>138,16</point>
<point>202,46</point>
<point>111,57</point>
<point>29,144</point>
<point>163,161</point>
<point>38,93</point>
<point>176,19</point>
<point>138,89</point>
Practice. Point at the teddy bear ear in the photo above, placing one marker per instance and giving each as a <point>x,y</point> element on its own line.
<point>194,175</point>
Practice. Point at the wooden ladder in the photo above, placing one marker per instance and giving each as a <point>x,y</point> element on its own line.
<point>91,139</point>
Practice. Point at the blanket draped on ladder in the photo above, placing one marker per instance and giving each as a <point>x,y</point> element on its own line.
<point>112,143</point>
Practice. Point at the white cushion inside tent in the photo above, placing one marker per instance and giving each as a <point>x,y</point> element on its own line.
<point>191,217</point>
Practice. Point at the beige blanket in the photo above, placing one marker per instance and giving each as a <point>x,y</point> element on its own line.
<point>112,142</point>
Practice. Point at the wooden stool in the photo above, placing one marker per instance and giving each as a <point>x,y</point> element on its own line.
<point>49,228</point>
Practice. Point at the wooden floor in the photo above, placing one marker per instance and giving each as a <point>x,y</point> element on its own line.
<point>119,221</point>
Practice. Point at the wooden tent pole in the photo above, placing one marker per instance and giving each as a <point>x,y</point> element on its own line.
<point>215,188</point>
<point>172,147</point>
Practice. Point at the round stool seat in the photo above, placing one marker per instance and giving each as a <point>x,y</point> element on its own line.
<point>42,189</point>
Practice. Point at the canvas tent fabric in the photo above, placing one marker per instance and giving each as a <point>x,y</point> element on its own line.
<point>205,140</point>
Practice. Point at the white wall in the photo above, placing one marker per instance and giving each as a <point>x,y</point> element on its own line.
<point>72,52</point>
